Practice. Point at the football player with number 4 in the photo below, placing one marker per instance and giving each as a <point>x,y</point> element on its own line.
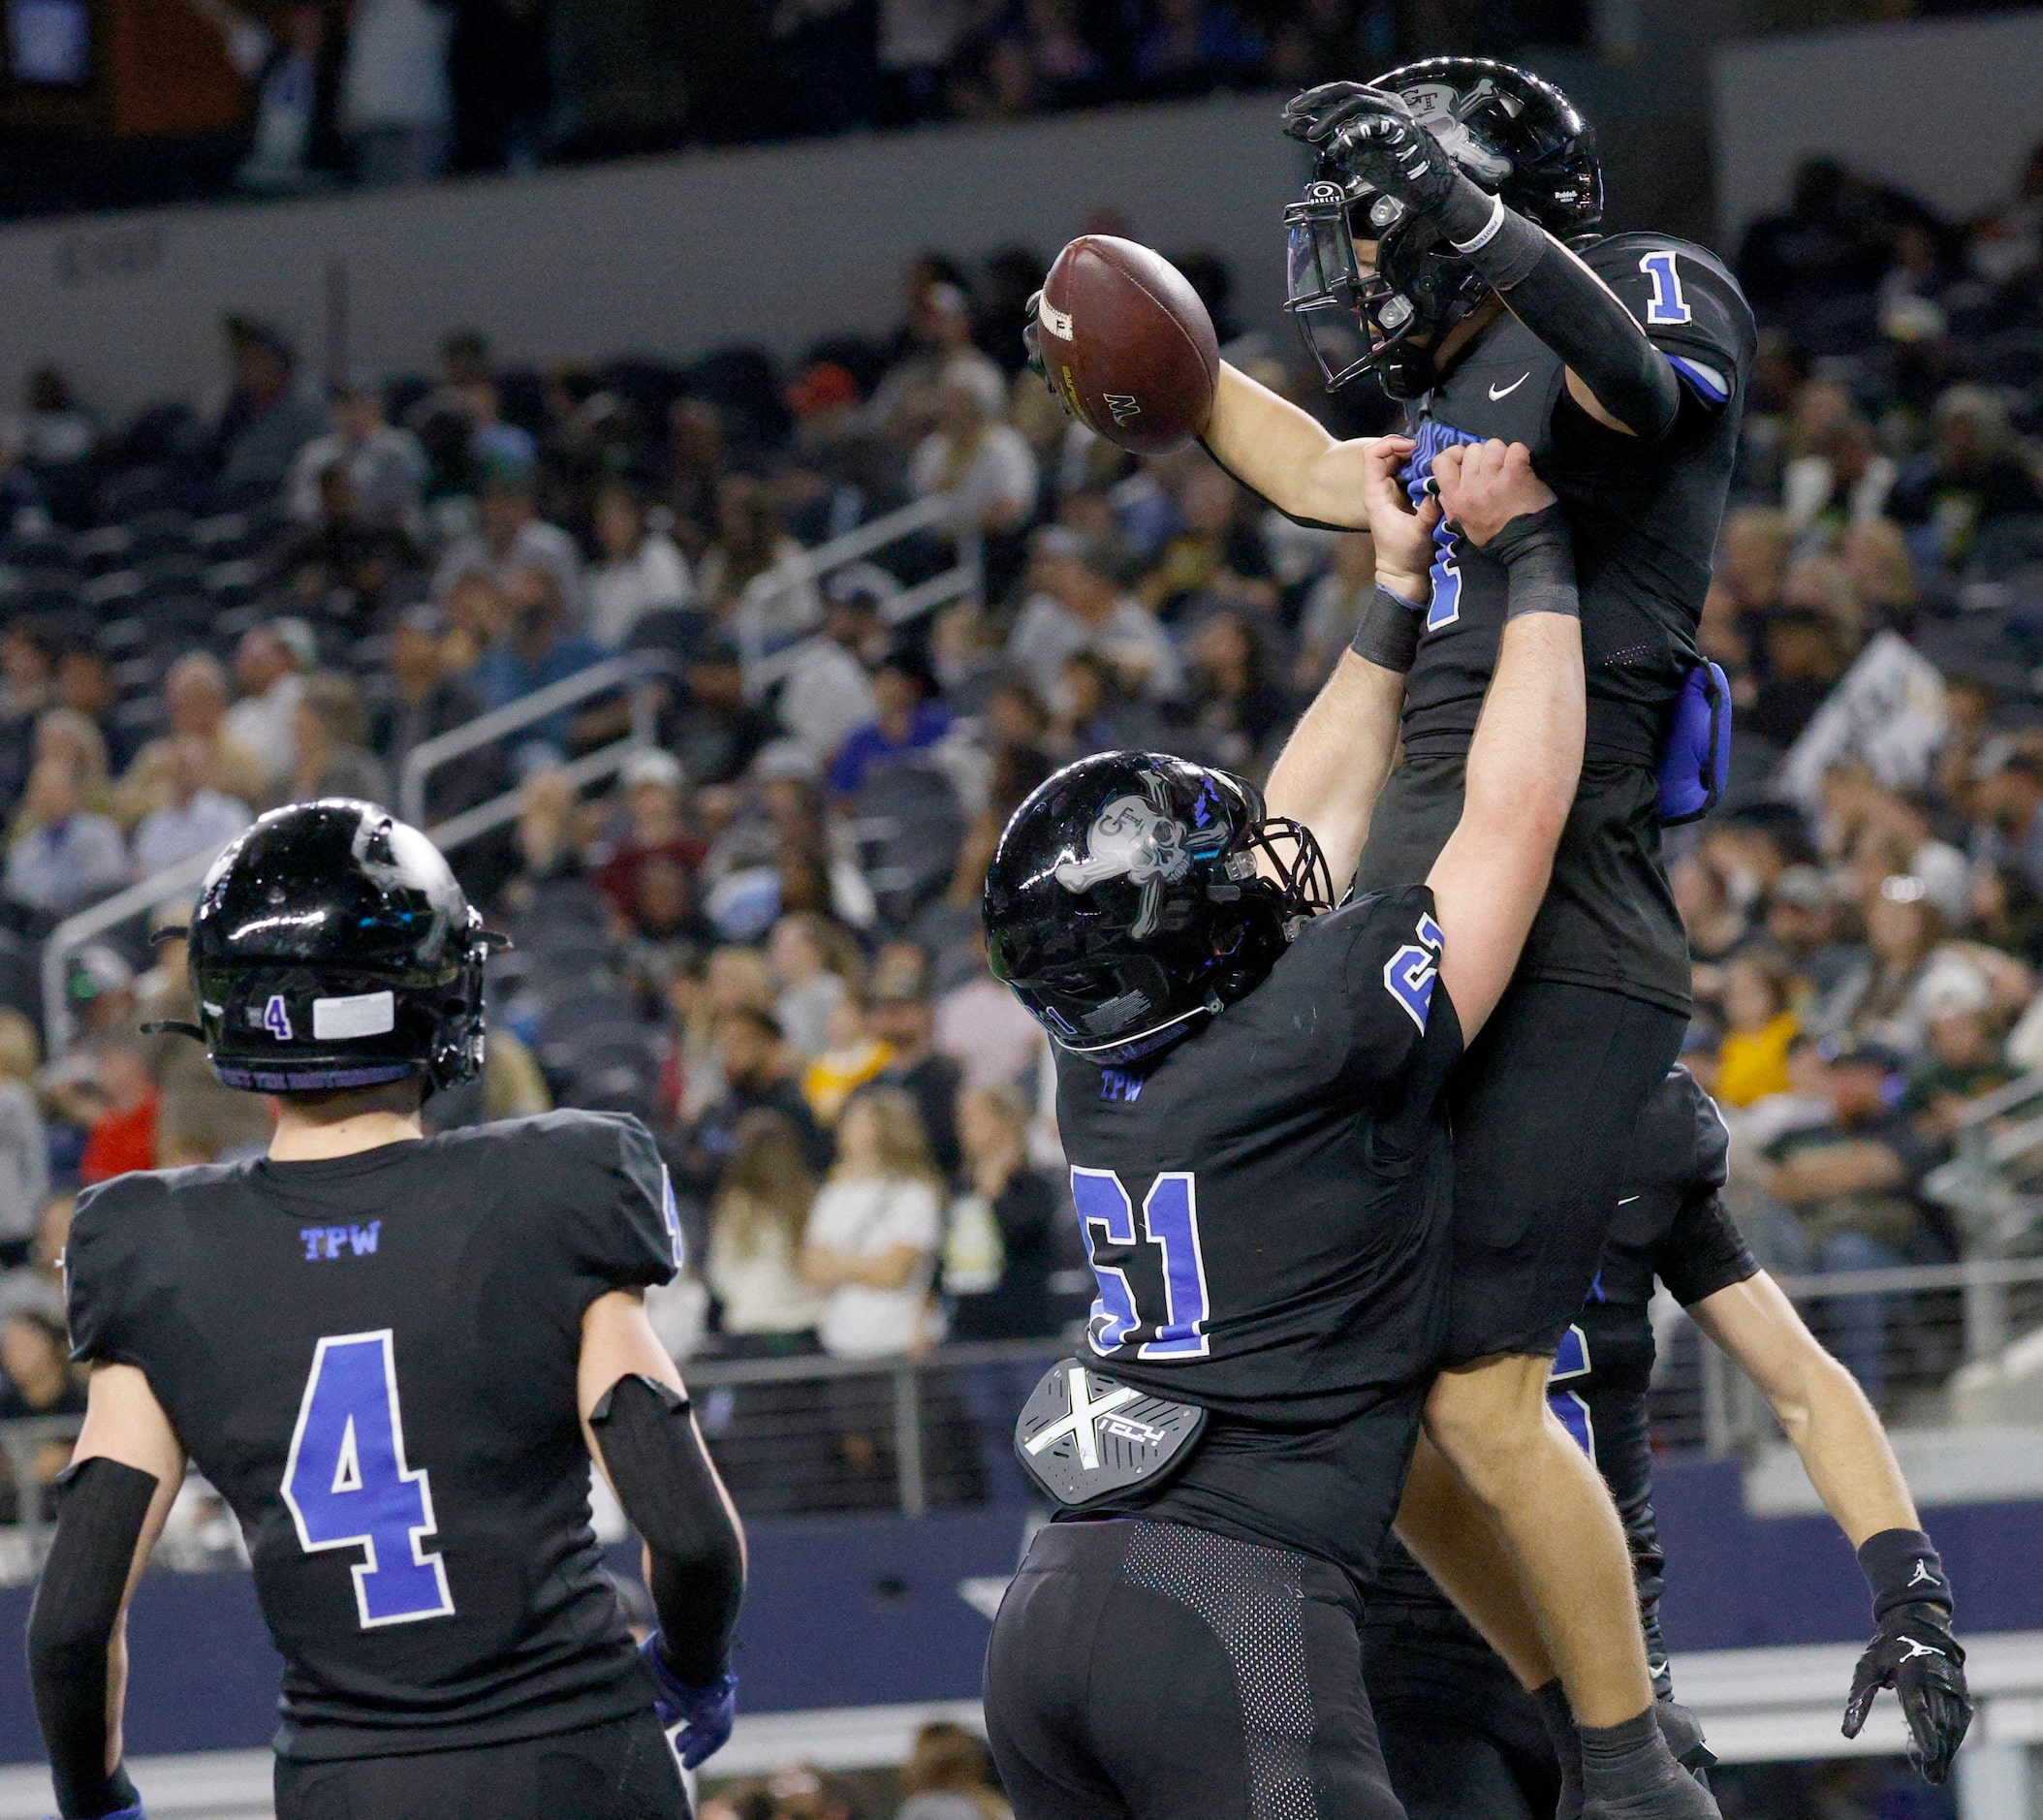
<point>396,1356</point>
<point>1448,245</point>
<point>1249,1089</point>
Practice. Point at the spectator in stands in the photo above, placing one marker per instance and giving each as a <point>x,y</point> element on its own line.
<point>288,58</point>
<point>753,1063</point>
<point>903,1017</point>
<point>1760,1025</point>
<point>753,574</point>
<point>386,466</point>
<point>191,817</point>
<point>329,733</point>
<point>656,832</point>
<point>396,108</point>
<point>61,855</point>
<point>2009,804</point>
<point>828,692</point>
<point>1962,1055</point>
<point>538,647</point>
<point>1850,1182</point>
<point>269,664</point>
<point>1076,605</point>
<point>192,1098</point>
<point>977,1029</point>
<point>1000,1240</point>
<point>641,569</point>
<point>810,958</point>
<point>422,697</point>
<point>24,1149</point>
<point>1843,480</point>
<point>910,717</point>
<point>28,668</point>
<point>1975,475</point>
<point>1333,605</point>
<point>940,349</point>
<point>973,454</point>
<point>35,1358</point>
<point>853,1055</point>
<point>86,685</point>
<point>718,730</point>
<point>38,1285</point>
<point>268,421</point>
<point>949,1777</point>
<point>757,1223</point>
<point>510,536</point>
<point>1238,711</point>
<point>117,1102</point>
<point>873,1233</point>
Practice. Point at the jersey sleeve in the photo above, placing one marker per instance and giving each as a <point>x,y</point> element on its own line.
<point>627,1230</point>
<point>1690,306</point>
<point>102,1266</point>
<point>1398,1018</point>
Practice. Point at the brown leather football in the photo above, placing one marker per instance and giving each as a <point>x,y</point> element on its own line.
<point>1127,342</point>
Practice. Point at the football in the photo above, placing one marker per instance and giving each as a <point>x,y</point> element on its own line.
<point>1128,344</point>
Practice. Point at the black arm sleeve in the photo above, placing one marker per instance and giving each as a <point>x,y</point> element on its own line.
<point>1567,306</point>
<point>71,1626</point>
<point>671,1495</point>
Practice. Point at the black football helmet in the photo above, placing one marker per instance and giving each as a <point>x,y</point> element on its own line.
<point>1124,902</point>
<point>1509,132</point>
<point>332,949</point>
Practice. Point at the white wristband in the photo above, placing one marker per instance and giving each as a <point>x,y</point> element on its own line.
<point>1489,228</point>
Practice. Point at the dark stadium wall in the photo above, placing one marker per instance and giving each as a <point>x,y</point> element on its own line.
<point>661,256</point>
<point>881,1610</point>
<point>1945,108</point>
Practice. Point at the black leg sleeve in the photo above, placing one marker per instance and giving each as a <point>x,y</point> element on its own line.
<point>71,1626</point>
<point>670,1492</point>
<point>1565,303</point>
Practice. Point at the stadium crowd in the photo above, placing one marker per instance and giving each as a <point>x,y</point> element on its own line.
<point>764,938</point>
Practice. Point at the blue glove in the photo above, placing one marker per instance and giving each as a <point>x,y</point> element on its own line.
<point>705,1714</point>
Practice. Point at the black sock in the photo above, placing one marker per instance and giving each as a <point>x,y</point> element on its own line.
<point>1627,1771</point>
<point>1559,1720</point>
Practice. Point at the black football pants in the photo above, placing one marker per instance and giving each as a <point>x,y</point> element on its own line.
<point>1149,1671</point>
<point>621,1770</point>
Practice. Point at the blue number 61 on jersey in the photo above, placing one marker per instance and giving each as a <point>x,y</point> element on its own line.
<point>1170,1221</point>
<point>347,1485</point>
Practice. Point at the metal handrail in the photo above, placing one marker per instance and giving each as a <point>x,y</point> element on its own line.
<point>487,728</point>
<point>75,931</point>
<point>708,1374</point>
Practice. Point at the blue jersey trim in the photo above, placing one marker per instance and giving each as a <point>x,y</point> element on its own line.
<point>1700,380</point>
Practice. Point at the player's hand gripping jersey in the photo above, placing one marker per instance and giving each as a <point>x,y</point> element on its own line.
<point>373,1359</point>
<point>1265,1209</point>
<point>1643,517</point>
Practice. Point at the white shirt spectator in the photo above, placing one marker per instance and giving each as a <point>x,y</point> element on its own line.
<point>779,605</point>
<point>263,725</point>
<point>1001,473</point>
<point>1808,481</point>
<point>827,695</point>
<point>621,593</point>
<point>758,1283</point>
<point>388,472</point>
<point>59,869</point>
<point>397,68</point>
<point>981,1027</point>
<point>867,1217</point>
<point>1130,637</point>
<point>24,1162</point>
<point>178,830</point>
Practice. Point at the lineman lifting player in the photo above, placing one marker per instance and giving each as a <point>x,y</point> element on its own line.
<point>396,1357</point>
<point>1435,248</point>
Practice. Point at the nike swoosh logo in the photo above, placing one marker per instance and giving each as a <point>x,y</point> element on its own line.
<point>1628,1200</point>
<point>1505,391</point>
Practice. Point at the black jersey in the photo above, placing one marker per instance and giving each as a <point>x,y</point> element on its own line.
<point>373,1359</point>
<point>1644,519</point>
<point>1670,1225</point>
<point>1266,1211</point>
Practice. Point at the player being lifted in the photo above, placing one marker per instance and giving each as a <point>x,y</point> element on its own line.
<point>1249,1094</point>
<point>396,1357</point>
<point>1435,249</point>
<point>1463,1740</point>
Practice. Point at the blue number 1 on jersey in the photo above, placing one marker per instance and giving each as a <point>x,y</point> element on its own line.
<point>1170,1221</point>
<point>347,1485</point>
<point>1667,308</point>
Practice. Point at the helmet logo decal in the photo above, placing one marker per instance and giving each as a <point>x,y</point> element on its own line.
<point>364,1014</point>
<point>276,1018</point>
<point>1443,112</point>
<point>1131,838</point>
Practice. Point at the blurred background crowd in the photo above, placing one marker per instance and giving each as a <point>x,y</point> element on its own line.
<point>763,935</point>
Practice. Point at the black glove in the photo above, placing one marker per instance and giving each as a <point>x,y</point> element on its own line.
<point>1917,1656</point>
<point>1373,134</point>
<point>1683,1732</point>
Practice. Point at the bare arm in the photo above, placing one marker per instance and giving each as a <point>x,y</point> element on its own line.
<point>1525,759</point>
<point>824,1267</point>
<point>1276,450</point>
<point>1867,1167</point>
<point>1818,1404</point>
